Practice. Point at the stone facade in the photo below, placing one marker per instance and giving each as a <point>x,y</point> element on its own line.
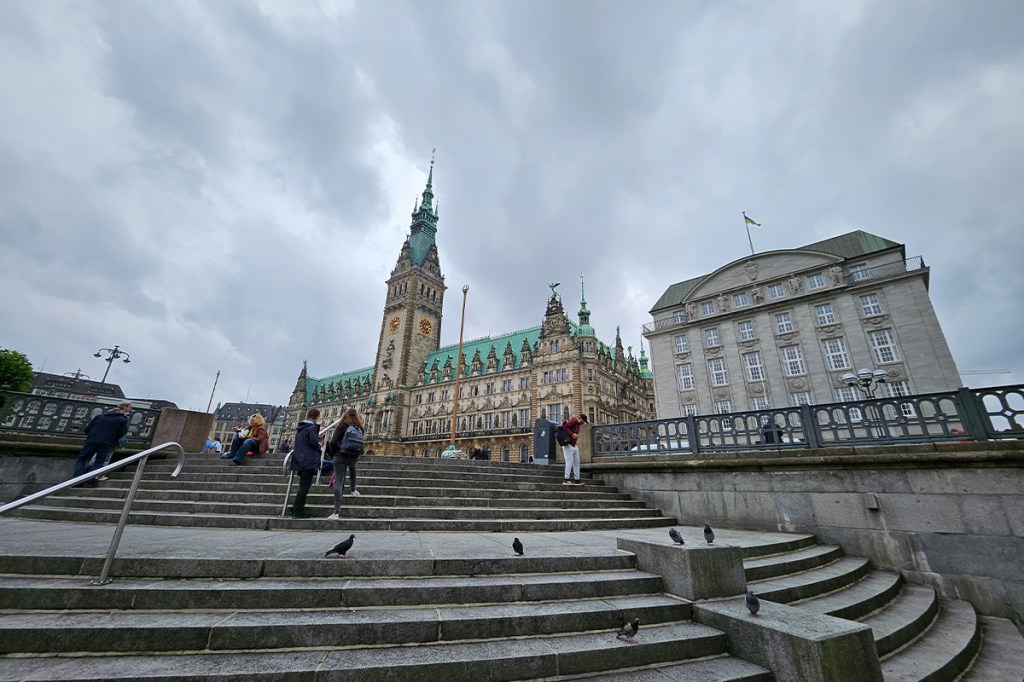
<point>406,398</point>
<point>782,328</point>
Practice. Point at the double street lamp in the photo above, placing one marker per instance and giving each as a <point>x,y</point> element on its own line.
<point>112,354</point>
<point>866,380</point>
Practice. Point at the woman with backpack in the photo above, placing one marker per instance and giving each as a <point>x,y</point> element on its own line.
<point>345,446</point>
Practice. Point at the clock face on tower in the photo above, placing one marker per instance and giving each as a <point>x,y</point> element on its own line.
<point>393,324</point>
<point>426,327</point>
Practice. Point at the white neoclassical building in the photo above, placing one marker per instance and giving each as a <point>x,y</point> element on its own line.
<point>783,327</point>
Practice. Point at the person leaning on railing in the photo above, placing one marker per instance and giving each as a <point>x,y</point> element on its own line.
<point>101,437</point>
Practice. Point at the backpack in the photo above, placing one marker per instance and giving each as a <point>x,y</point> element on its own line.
<point>562,436</point>
<point>352,441</point>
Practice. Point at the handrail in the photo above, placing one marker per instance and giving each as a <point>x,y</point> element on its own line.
<point>285,466</point>
<point>141,457</point>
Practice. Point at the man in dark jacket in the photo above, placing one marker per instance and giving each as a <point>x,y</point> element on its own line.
<point>101,436</point>
<point>305,459</point>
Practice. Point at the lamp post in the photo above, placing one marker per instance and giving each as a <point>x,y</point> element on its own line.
<point>866,380</point>
<point>112,354</point>
<point>458,369</point>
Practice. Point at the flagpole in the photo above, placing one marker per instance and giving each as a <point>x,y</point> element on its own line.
<point>749,240</point>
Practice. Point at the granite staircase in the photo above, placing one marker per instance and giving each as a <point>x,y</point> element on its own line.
<point>196,598</point>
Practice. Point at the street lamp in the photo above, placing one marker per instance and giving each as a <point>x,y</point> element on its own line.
<point>866,380</point>
<point>112,354</point>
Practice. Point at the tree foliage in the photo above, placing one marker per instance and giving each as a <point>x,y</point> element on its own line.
<point>15,371</point>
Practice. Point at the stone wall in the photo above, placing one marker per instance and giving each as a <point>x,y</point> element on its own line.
<point>949,515</point>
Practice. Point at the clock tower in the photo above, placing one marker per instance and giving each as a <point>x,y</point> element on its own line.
<point>411,325</point>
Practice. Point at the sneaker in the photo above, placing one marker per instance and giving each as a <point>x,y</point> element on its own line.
<point>104,477</point>
<point>566,482</point>
<point>334,517</point>
<point>228,456</point>
<point>354,492</point>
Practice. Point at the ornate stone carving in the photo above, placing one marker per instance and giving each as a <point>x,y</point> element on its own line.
<point>757,295</point>
<point>751,268</point>
<point>836,273</point>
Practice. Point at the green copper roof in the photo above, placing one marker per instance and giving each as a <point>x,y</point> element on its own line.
<point>469,349</point>
<point>424,223</point>
<point>850,245</point>
<point>338,381</point>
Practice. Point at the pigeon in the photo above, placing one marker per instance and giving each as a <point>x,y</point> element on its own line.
<point>342,547</point>
<point>676,537</point>
<point>753,603</point>
<point>628,631</point>
<point>709,534</point>
<point>517,547</point>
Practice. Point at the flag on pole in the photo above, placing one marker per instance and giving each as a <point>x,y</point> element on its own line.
<point>750,221</point>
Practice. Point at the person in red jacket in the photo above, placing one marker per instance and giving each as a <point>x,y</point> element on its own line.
<point>571,429</point>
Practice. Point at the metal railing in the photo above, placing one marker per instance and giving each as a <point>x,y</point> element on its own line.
<point>967,414</point>
<point>286,465</point>
<point>141,458</point>
<point>885,270</point>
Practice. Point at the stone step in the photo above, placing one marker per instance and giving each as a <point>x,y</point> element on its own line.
<point>717,669</point>
<point>225,630</point>
<point>943,652</point>
<point>252,470</point>
<point>818,581</point>
<point>908,615</point>
<point>24,593</point>
<point>791,562</point>
<point>503,525</point>
<point>526,658</point>
<point>1002,652</point>
<point>322,493</point>
<point>871,593</point>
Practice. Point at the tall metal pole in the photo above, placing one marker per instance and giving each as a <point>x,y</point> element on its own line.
<point>458,367</point>
<point>215,380</point>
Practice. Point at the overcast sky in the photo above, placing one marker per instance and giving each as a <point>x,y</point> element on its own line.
<point>226,185</point>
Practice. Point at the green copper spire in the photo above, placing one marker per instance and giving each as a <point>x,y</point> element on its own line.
<point>645,373</point>
<point>584,329</point>
<point>424,222</point>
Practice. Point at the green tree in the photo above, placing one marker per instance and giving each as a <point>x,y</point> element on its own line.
<point>15,371</point>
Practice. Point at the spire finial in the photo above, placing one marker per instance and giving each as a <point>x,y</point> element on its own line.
<point>583,295</point>
<point>432,153</point>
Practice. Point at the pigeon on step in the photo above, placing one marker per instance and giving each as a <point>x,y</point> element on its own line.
<point>629,631</point>
<point>676,537</point>
<point>517,547</point>
<point>709,534</point>
<point>753,603</point>
<point>342,547</point>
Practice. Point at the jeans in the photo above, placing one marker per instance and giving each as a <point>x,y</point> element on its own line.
<point>240,446</point>
<point>343,464</point>
<point>102,451</point>
<point>305,481</point>
<point>572,462</point>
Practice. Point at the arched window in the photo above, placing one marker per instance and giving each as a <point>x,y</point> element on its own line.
<point>524,453</point>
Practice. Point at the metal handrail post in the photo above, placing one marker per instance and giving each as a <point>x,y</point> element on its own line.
<point>121,522</point>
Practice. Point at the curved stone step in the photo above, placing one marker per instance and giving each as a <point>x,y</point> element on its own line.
<point>1002,652</point>
<point>909,614</point>
<point>717,669</point>
<point>803,559</point>
<point>943,652</point>
<point>24,593</point>
<point>486,661</point>
<point>841,573</point>
<point>871,593</point>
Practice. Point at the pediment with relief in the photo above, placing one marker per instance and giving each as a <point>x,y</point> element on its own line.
<point>765,266</point>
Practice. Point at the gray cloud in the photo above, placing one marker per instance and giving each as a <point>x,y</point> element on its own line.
<point>195,181</point>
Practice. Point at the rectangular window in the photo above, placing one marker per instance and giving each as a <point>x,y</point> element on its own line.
<point>524,382</point>
<point>554,346</point>
<point>446,394</point>
<point>739,300</point>
<point>800,398</point>
<point>816,281</point>
<point>760,403</point>
<point>776,292</point>
<point>489,387</point>
<point>849,394</point>
<point>506,419</point>
<point>711,338</point>
<point>898,389</point>
<point>835,353</point>
<point>555,412</point>
<point>793,361</point>
<point>488,421</point>
<point>755,370</point>
<point>859,272</point>
<point>689,410</point>
<point>723,406</point>
<point>707,308</point>
<point>719,373</point>
<point>682,345</point>
<point>783,323</point>
<point>524,417</point>
<point>746,330</point>
<point>870,305</point>
<point>825,314</point>
<point>506,385</point>
<point>590,375</point>
<point>685,377</point>
<point>679,317</point>
<point>884,345</point>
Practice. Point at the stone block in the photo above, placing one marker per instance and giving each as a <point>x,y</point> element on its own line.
<point>794,510</point>
<point>793,643</point>
<point>691,571</point>
<point>919,513</point>
<point>185,427</point>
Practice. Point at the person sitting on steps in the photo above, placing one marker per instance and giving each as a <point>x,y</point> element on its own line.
<point>249,441</point>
